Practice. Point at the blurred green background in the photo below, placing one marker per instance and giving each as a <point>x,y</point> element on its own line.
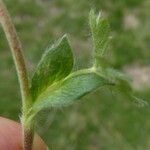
<point>103,120</point>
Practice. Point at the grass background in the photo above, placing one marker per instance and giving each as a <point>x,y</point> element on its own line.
<point>102,120</point>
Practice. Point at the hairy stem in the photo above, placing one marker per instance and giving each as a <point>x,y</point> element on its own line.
<point>16,50</point>
<point>28,139</point>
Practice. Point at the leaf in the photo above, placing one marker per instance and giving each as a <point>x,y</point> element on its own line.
<point>122,84</point>
<point>56,64</point>
<point>114,74</point>
<point>100,30</point>
<point>122,81</point>
<point>70,89</point>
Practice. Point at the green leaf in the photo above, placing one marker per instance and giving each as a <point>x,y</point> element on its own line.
<point>56,64</point>
<point>113,75</point>
<point>70,89</point>
<point>122,81</point>
<point>123,85</point>
<point>100,30</point>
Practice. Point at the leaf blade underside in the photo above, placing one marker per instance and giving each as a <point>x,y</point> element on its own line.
<point>72,88</point>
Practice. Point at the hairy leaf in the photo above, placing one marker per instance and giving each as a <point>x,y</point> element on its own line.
<point>56,64</point>
<point>122,81</point>
<point>100,32</point>
<point>114,74</point>
<point>70,89</point>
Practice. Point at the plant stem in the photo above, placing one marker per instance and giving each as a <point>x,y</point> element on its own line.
<point>18,58</point>
<point>28,139</point>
